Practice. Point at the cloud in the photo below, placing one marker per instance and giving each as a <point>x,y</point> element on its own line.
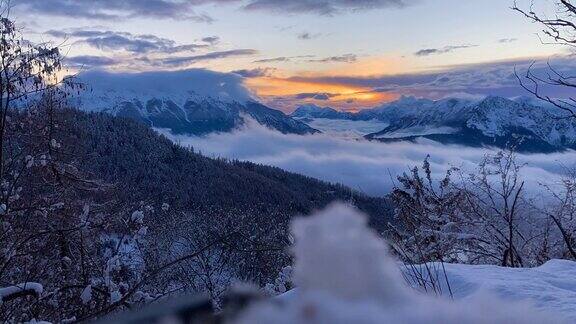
<point>316,95</point>
<point>507,40</point>
<point>323,7</point>
<point>493,78</point>
<point>116,9</point>
<point>90,61</point>
<point>169,83</point>
<point>211,40</point>
<point>112,41</point>
<point>307,36</point>
<point>147,63</point>
<point>186,60</point>
<point>346,58</point>
<point>443,50</point>
<point>273,60</point>
<point>282,59</point>
<point>185,9</point>
<point>360,164</point>
<point>146,51</point>
<point>255,73</point>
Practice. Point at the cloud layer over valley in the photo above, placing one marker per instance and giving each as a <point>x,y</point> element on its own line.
<point>362,165</point>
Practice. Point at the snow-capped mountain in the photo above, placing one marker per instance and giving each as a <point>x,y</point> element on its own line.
<point>492,121</point>
<point>314,111</point>
<point>386,112</point>
<point>187,102</point>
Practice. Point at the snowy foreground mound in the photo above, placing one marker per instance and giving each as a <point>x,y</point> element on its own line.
<point>550,288</point>
<point>346,275</point>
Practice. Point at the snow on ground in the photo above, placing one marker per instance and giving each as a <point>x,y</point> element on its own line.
<point>26,287</point>
<point>550,287</point>
<point>346,275</point>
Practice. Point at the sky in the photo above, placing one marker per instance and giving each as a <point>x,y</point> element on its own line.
<point>348,54</point>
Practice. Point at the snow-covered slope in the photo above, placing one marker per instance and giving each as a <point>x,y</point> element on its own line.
<point>550,287</point>
<point>186,102</point>
<point>314,111</point>
<point>493,121</point>
<point>386,112</point>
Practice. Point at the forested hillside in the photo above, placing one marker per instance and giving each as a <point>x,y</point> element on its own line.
<point>146,166</point>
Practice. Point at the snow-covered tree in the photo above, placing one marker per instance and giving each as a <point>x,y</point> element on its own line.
<point>496,208</point>
<point>561,211</point>
<point>429,215</point>
<point>482,217</point>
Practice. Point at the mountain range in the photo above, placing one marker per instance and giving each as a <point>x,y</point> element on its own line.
<point>175,101</point>
<point>491,121</point>
<point>195,103</point>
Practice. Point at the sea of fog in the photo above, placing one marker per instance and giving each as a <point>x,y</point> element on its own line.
<point>370,167</point>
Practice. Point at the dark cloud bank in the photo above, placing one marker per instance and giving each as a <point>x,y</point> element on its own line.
<point>186,9</point>
<point>443,50</point>
<point>138,44</point>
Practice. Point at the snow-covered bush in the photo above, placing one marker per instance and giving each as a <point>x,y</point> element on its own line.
<point>497,210</point>
<point>560,210</point>
<point>429,217</point>
<point>483,217</point>
<point>281,284</point>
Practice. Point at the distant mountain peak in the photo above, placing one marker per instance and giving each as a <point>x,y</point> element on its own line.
<point>190,102</point>
<point>492,121</point>
<point>497,101</point>
<point>489,121</point>
<point>315,111</point>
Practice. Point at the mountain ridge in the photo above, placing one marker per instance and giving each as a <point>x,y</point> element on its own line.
<point>180,102</point>
<point>491,121</point>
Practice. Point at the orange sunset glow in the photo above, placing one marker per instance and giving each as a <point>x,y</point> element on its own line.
<point>280,85</point>
<point>342,96</point>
